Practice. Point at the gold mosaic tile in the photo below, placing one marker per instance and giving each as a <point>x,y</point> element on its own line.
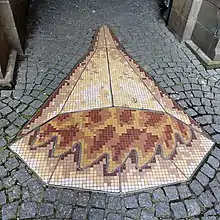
<point>93,88</point>
<point>109,127</point>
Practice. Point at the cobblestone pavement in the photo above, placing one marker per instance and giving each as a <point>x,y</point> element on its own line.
<point>59,35</point>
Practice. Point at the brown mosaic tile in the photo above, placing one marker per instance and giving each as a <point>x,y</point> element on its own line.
<point>109,127</point>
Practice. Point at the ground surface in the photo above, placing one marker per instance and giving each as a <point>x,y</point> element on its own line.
<point>59,35</point>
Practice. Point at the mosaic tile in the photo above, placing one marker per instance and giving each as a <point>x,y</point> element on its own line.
<point>109,127</point>
<point>93,88</point>
<point>189,156</point>
<point>127,89</point>
<point>37,159</point>
<point>158,172</point>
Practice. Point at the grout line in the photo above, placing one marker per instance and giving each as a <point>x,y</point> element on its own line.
<point>110,79</point>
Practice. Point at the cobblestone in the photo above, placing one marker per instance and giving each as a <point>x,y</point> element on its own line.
<point>96,214</point>
<point>63,211</point>
<point>83,199</point>
<point>79,213</point>
<point>98,200</point>
<point>114,203</point>
<point>162,210</point>
<point>171,192</point>
<point>28,210</point>
<point>196,187</point>
<point>67,197</point>
<point>2,198</point>
<point>179,210</point>
<point>113,216</point>
<point>133,213</point>
<point>184,191</point>
<point>130,202</point>
<point>46,209</point>
<point>192,207</point>
<point>9,210</point>
<point>145,200</point>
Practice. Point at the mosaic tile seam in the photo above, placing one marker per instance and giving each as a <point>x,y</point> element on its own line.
<point>105,39</point>
<point>92,178</point>
<point>54,104</point>
<point>169,105</point>
<point>93,88</point>
<point>189,157</point>
<point>36,159</point>
<point>161,172</point>
<point>128,90</point>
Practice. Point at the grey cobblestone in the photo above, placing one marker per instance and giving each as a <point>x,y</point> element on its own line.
<point>192,207</point>
<point>113,216</point>
<point>202,178</point>
<point>146,215</point>
<point>28,210</point>
<point>130,202</point>
<point>205,200</point>
<point>51,194</point>
<point>158,195</point>
<point>96,214</point>
<point>11,163</point>
<point>145,200</point>
<point>63,211</point>
<point>3,142</point>
<point>196,187</point>
<point>46,209</point>
<point>9,210</point>
<point>162,210</point>
<point>67,197</point>
<point>208,170</point>
<point>184,191</point>
<point>2,198</point>
<point>114,203</point>
<point>133,213</point>
<point>14,193</point>
<point>171,192</point>
<point>79,213</point>
<point>98,200</point>
<point>82,199</point>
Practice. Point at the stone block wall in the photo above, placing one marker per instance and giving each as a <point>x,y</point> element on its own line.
<point>206,33</point>
<point>179,16</point>
<point>199,21</point>
<point>12,18</point>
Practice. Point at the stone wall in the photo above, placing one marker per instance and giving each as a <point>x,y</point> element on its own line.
<point>179,16</point>
<point>206,32</point>
<point>198,20</point>
<point>13,18</point>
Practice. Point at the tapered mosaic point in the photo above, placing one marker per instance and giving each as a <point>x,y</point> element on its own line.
<point>109,127</point>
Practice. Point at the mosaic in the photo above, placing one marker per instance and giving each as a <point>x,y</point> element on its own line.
<point>109,127</point>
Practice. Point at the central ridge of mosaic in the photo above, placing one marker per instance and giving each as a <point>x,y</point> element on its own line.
<point>109,127</point>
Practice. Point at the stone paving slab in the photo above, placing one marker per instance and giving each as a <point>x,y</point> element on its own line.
<point>54,45</point>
